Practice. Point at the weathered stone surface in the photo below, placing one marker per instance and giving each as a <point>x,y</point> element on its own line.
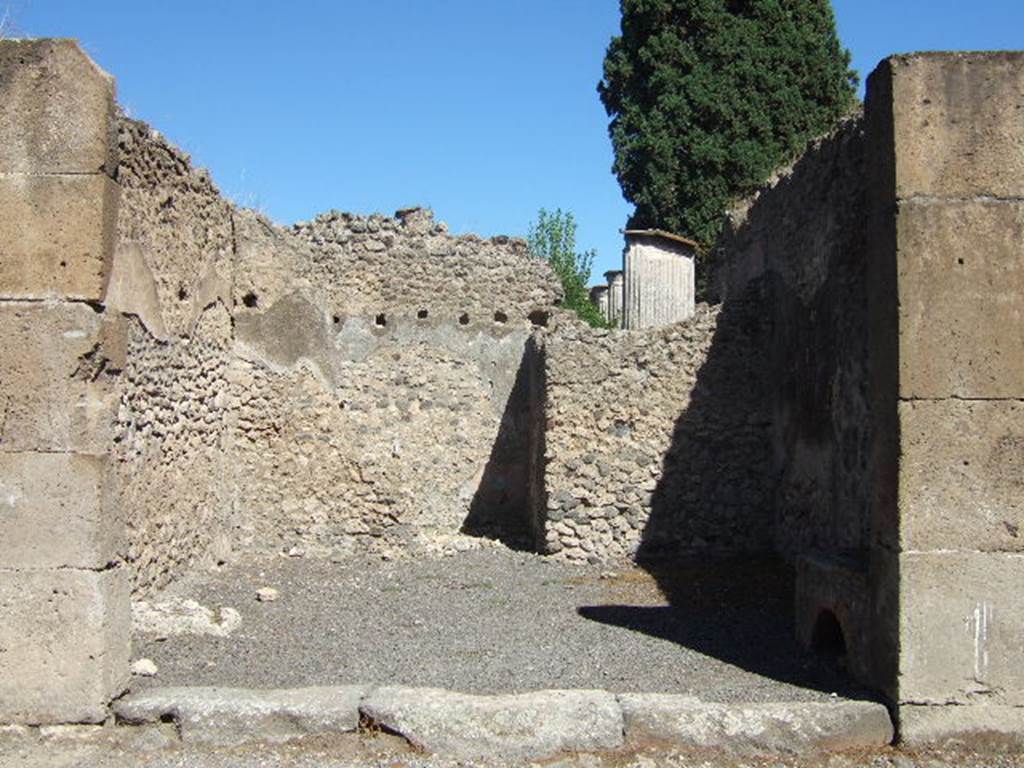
<point>290,331</point>
<point>171,466</point>
<point>170,462</point>
<point>961,299</point>
<point>65,640</point>
<point>986,728</point>
<point>58,108</point>
<point>960,627</point>
<point>655,441</point>
<point>373,413</point>
<point>144,668</point>
<point>60,366</point>
<point>786,727</point>
<point>132,289</point>
<point>181,616</point>
<point>52,512</point>
<point>957,120</point>
<point>228,716</point>
<point>269,259</point>
<point>522,726</point>
<point>56,236</point>
<point>401,265</point>
<point>962,475</point>
<point>172,214</point>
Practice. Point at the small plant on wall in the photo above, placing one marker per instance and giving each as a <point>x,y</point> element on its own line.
<point>553,238</point>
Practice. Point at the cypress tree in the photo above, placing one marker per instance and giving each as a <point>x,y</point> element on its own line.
<point>708,97</point>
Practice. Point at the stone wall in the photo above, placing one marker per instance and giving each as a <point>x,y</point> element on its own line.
<point>656,442</point>
<point>349,379</point>
<point>381,381</point>
<point>63,586</point>
<point>367,265</point>
<point>173,471</point>
<point>796,252</point>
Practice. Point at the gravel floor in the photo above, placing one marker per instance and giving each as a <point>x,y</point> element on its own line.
<point>493,620</point>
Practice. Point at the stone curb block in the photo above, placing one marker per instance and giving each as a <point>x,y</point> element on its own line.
<point>229,716</point>
<point>532,725</point>
<point>775,728</point>
<point>521,726</point>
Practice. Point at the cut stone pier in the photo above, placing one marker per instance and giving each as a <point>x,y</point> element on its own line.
<point>64,594</point>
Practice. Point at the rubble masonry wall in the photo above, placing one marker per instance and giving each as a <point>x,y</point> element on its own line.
<point>351,379</point>
<point>173,472</point>
<point>381,381</point>
<point>796,253</point>
<point>656,442</point>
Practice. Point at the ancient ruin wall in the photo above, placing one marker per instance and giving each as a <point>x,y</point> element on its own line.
<point>349,377</point>
<point>366,265</point>
<point>796,254</point>
<point>378,381</point>
<point>171,274</point>
<point>655,441</point>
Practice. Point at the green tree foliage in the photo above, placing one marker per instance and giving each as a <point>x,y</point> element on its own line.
<point>708,97</point>
<point>553,238</point>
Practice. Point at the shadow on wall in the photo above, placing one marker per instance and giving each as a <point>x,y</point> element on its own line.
<point>729,596</point>
<point>501,506</point>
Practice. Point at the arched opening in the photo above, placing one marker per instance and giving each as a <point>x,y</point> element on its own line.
<point>827,638</point>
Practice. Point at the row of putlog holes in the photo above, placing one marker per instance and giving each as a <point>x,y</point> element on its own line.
<point>538,318</point>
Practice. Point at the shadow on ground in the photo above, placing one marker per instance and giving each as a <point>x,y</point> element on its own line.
<point>709,541</point>
<point>737,610</point>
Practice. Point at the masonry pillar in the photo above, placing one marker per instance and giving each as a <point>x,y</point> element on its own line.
<point>616,284</point>
<point>64,601</point>
<point>946,277</point>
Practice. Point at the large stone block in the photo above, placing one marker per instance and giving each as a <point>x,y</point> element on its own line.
<point>961,475</point>
<point>957,122</point>
<point>960,274</point>
<point>56,110</point>
<point>961,623</point>
<point>53,513</point>
<point>984,728</point>
<point>59,364</point>
<point>64,644</point>
<point>57,236</point>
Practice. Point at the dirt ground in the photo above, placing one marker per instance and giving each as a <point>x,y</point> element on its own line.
<point>492,620</point>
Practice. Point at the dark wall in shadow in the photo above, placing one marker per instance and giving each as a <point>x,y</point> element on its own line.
<point>779,419</point>
<point>715,487</point>
<point>502,506</point>
<point>801,247</point>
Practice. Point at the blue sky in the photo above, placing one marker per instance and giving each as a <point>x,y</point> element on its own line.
<point>484,110</point>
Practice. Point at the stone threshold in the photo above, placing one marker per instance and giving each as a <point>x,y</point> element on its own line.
<point>531,725</point>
